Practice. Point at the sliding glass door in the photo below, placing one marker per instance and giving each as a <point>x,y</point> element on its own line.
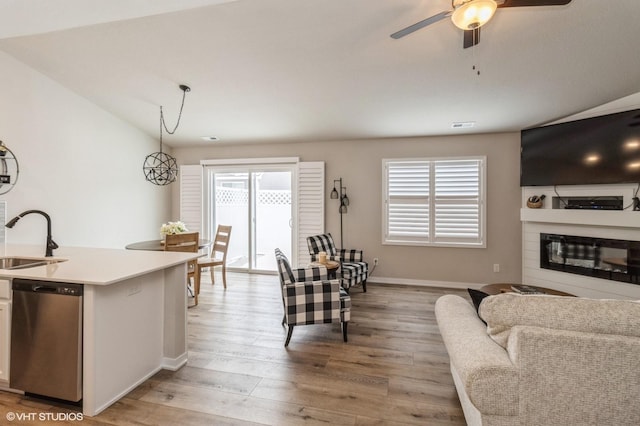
<point>273,216</point>
<point>257,202</point>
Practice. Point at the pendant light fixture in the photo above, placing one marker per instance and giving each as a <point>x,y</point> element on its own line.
<point>159,167</point>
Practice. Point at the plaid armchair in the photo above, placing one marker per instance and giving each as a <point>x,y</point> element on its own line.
<point>353,267</point>
<point>310,298</point>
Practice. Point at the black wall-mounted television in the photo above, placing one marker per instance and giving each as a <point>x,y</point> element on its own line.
<point>598,150</point>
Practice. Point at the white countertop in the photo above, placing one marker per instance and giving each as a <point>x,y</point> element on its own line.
<point>95,266</point>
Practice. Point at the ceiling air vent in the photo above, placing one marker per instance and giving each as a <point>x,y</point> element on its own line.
<point>463,124</point>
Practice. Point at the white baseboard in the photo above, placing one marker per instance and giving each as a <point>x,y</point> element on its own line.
<point>424,283</point>
<point>120,395</point>
<point>174,364</point>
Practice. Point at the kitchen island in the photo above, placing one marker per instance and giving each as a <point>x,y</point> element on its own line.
<point>134,313</point>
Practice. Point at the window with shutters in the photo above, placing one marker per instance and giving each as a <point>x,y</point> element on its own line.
<point>434,201</point>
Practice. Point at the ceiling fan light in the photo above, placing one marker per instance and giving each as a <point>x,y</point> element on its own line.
<point>473,14</point>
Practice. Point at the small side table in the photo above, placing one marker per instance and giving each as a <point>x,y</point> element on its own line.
<point>331,265</point>
<point>499,288</point>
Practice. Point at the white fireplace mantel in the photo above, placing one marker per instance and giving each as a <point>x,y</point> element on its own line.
<point>612,224</point>
<point>607,218</point>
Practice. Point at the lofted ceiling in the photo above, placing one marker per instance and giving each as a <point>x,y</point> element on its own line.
<point>310,70</point>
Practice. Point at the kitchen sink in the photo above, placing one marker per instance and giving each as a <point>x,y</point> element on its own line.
<point>25,262</point>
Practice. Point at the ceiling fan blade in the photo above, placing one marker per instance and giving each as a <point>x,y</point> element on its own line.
<point>415,27</point>
<point>471,38</point>
<point>528,3</point>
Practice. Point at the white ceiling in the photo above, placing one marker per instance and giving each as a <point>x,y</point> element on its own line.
<point>314,70</point>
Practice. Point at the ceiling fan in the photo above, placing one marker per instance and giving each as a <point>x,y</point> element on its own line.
<point>470,15</point>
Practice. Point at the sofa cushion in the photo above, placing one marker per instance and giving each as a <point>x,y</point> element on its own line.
<point>504,311</point>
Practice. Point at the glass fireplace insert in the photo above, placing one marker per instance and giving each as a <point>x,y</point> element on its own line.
<point>617,260</point>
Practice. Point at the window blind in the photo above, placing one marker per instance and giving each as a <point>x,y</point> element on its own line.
<point>434,201</point>
<point>457,201</point>
<point>408,200</point>
<point>310,218</point>
<point>191,197</point>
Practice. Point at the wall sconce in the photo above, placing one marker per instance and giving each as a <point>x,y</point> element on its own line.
<point>344,202</point>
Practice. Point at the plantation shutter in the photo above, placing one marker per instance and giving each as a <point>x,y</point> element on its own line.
<point>458,201</point>
<point>310,218</point>
<point>434,201</point>
<point>191,197</point>
<point>407,201</point>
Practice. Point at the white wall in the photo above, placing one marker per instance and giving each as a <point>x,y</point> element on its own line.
<point>79,163</point>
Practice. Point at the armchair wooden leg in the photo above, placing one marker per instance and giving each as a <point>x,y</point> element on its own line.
<point>344,330</point>
<point>286,343</point>
<point>364,286</point>
<point>196,284</point>
<point>213,281</point>
<point>224,276</point>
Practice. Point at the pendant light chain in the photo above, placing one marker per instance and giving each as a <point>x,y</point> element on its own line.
<point>185,89</point>
<point>163,123</point>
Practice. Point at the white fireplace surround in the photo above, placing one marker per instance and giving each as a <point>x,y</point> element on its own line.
<point>614,224</point>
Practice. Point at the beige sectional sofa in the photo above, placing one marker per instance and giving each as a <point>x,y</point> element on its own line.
<point>544,360</point>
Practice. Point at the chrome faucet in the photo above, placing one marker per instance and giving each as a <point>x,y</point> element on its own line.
<point>50,243</point>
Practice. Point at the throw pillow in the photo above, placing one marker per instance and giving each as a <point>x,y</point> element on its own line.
<point>476,297</point>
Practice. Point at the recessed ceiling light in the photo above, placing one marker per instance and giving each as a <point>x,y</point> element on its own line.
<point>209,138</point>
<point>632,145</point>
<point>463,124</point>
<point>592,158</point>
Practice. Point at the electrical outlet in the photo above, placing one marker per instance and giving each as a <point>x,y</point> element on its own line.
<point>375,261</point>
<point>496,267</point>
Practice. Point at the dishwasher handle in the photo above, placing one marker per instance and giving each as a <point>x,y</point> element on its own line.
<point>45,289</point>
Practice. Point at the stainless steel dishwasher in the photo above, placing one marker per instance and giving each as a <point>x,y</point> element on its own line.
<point>46,339</point>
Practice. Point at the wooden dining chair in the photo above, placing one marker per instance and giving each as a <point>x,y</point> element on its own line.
<point>186,242</point>
<point>218,256</point>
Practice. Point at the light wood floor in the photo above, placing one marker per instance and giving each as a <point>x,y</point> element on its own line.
<point>393,371</point>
